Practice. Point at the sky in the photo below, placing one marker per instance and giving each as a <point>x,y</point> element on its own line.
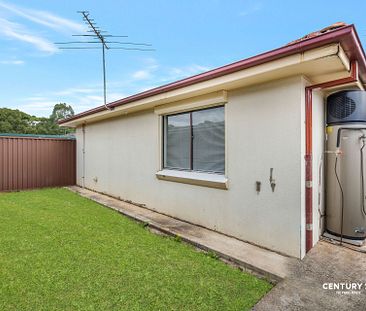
<point>189,37</point>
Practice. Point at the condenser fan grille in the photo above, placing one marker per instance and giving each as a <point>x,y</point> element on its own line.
<point>341,107</point>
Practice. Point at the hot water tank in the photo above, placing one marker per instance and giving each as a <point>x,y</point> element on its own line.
<point>346,165</point>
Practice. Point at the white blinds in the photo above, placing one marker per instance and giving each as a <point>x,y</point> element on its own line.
<point>195,140</point>
<point>177,141</point>
<point>209,140</point>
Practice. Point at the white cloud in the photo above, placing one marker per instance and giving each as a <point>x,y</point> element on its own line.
<point>141,74</point>
<point>18,32</point>
<point>166,74</point>
<point>95,98</point>
<point>74,91</point>
<point>34,98</point>
<point>186,71</point>
<point>150,66</point>
<point>85,97</point>
<point>252,8</point>
<point>12,62</point>
<point>146,88</point>
<point>43,18</point>
<point>116,96</point>
<point>82,103</point>
<point>38,108</point>
<point>80,98</point>
<point>150,62</point>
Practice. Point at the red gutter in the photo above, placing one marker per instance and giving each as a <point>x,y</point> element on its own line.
<point>309,146</point>
<point>346,35</point>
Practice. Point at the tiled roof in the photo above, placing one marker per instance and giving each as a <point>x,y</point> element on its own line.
<point>319,32</point>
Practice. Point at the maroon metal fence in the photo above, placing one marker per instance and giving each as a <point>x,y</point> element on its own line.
<point>28,162</point>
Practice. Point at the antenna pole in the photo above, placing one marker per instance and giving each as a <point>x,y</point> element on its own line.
<point>101,38</point>
<point>104,46</point>
<point>104,79</point>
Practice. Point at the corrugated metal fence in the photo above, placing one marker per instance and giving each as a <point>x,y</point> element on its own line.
<point>36,161</point>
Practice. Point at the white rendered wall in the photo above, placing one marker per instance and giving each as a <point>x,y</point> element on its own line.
<point>264,129</point>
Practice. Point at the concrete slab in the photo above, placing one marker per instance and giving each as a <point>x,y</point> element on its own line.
<point>360,244</point>
<point>264,262</point>
<point>325,264</point>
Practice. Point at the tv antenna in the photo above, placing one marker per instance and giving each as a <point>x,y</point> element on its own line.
<point>105,40</point>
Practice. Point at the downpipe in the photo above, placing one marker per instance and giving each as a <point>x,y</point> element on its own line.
<point>83,156</point>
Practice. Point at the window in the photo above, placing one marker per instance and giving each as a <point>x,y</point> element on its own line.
<point>195,141</point>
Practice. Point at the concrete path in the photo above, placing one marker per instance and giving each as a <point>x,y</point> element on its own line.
<point>259,260</point>
<point>303,289</point>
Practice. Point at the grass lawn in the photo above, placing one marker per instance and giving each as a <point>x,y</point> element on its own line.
<point>59,251</point>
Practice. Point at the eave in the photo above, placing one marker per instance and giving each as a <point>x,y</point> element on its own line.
<point>319,58</point>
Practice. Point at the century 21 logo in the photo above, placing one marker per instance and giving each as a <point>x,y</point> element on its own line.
<point>355,286</point>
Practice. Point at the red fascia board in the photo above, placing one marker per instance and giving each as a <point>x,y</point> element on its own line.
<point>346,35</point>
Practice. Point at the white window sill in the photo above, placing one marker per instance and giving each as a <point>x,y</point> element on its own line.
<point>194,178</point>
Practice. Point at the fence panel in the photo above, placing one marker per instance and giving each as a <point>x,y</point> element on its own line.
<point>28,162</point>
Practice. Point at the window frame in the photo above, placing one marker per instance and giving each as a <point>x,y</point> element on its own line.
<point>164,119</point>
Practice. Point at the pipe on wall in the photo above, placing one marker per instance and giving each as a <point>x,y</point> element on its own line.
<point>309,146</point>
<point>83,153</point>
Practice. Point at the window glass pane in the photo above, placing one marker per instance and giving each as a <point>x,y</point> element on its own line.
<point>209,140</point>
<point>177,141</point>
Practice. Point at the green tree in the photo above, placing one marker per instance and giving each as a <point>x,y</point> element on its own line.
<point>61,111</point>
<point>15,121</point>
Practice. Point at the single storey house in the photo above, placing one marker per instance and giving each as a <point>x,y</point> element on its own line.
<point>238,149</point>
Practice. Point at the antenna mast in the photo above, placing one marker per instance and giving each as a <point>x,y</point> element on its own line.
<point>102,39</point>
<point>104,46</point>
